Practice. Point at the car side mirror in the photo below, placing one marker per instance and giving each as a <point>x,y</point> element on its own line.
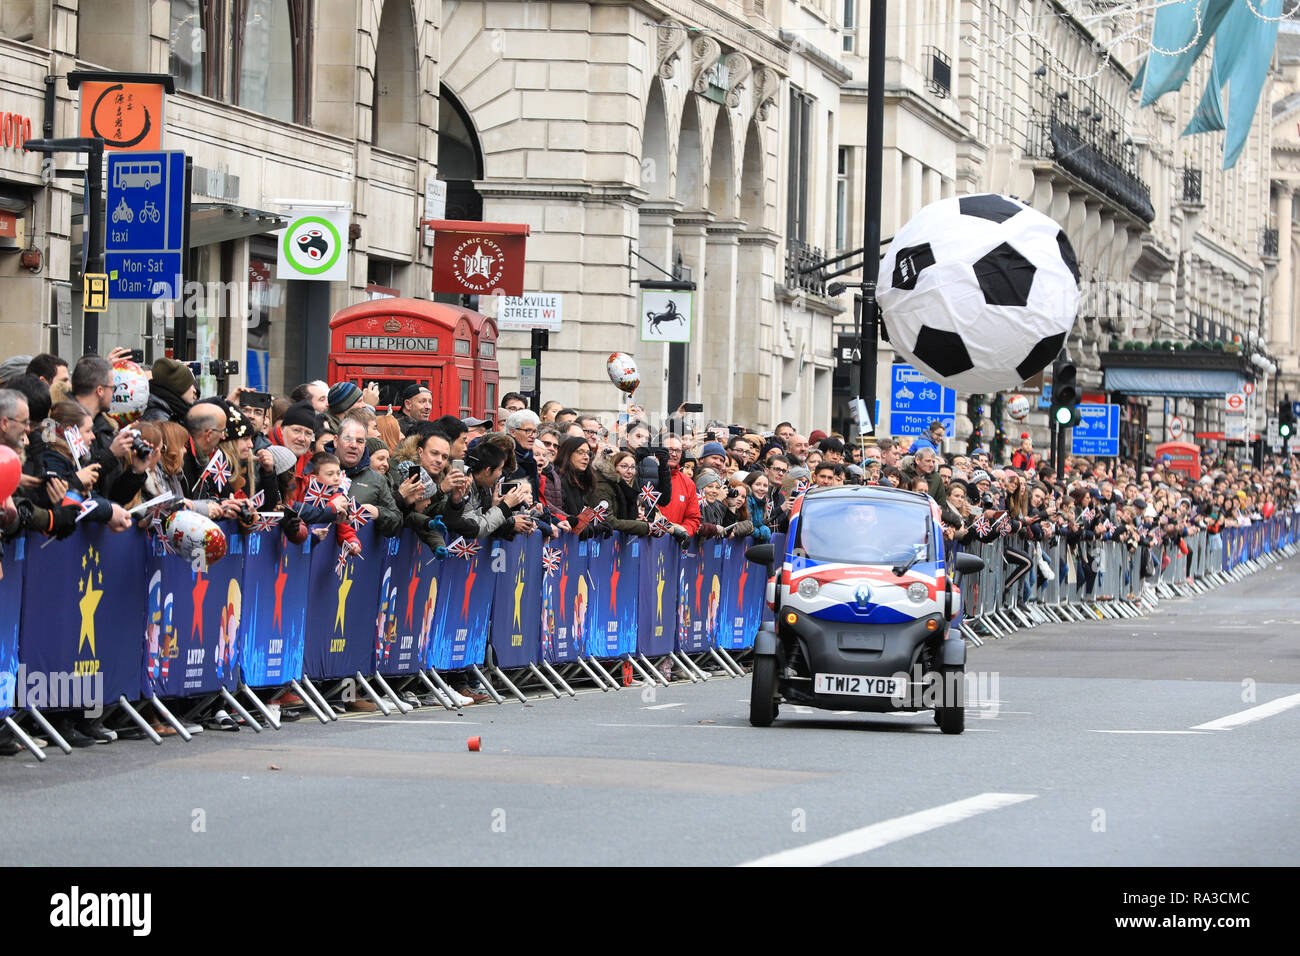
<point>763,554</point>
<point>969,563</point>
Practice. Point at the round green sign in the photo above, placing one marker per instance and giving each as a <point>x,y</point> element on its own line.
<point>320,247</point>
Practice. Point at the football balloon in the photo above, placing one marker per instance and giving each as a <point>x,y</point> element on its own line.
<point>622,372</point>
<point>979,292</point>
<point>130,392</point>
<point>192,534</point>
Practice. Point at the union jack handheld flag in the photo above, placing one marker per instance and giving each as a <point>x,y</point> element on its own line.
<point>76,444</point>
<point>982,526</point>
<point>801,488</point>
<point>341,565</point>
<point>87,507</point>
<point>317,494</point>
<point>662,525</point>
<point>257,500</point>
<point>649,497</point>
<point>590,515</point>
<point>551,560</point>
<point>1086,515</point>
<point>345,484</point>
<point>460,548</point>
<point>219,469</point>
<point>357,514</point>
<point>266,521</point>
<point>1003,524</point>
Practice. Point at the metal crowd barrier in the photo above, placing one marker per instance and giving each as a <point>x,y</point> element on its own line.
<point>1108,580</point>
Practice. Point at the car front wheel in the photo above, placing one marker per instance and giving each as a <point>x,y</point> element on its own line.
<point>762,692</point>
<point>951,714</point>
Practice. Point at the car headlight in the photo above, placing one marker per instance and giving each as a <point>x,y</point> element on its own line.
<point>808,588</point>
<point>917,592</point>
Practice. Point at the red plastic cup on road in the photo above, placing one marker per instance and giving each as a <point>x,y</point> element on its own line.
<point>473,743</point>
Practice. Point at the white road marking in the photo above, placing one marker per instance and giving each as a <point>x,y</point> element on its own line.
<point>1252,714</point>
<point>1146,731</point>
<point>682,726</point>
<point>663,706</point>
<point>885,832</point>
<point>410,721</point>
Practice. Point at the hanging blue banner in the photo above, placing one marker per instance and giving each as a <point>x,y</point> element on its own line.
<point>12,565</point>
<point>193,621</point>
<point>657,621</point>
<point>517,601</point>
<point>342,609</point>
<point>274,633</point>
<point>564,603</point>
<point>463,612</point>
<point>407,596</point>
<point>611,569</point>
<point>83,618</point>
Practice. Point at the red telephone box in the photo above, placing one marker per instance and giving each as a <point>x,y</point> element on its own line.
<point>1183,456</point>
<point>399,342</point>
<point>486,380</point>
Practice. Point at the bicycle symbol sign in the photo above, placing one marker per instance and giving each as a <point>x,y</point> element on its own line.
<point>142,244</point>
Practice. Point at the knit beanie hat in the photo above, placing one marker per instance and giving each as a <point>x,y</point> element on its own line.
<point>712,448</point>
<point>375,444</point>
<point>299,413</point>
<point>284,459</point>
<point>343,395</point>
<point>172,375</point>
<point>706,478</point>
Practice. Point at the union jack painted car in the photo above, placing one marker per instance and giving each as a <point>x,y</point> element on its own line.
<point>866,615</point>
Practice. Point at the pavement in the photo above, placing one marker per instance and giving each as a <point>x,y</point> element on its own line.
<point>1168,740</point>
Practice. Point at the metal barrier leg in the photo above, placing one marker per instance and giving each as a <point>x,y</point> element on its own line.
<point>324,705</point>
<point>545,683</point>
<point>400,704</point>
<point>26,741</point>
<point>257,702</point>
<point>594,679</point>
<point>636,666</point>
<point>379,701</point>
<point>654,671</point>
<point>324,716</point>
<point>487,684</point>
<point>443,700</point>
<point>500,675</point>
<point>51,734</point>
<point>139,721</point>
<point>236,706</point>
<point>721,663</point>
<point>167,716</point>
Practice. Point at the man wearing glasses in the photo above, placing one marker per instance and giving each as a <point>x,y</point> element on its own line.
<point>545,448</point>
<point>92,389</point>
<point>591,431</point>
<point>778,466</point>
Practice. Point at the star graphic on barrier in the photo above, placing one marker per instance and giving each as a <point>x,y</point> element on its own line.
<point>90,598</point>
<point>519,593</point>
<point>344,587</point>
<point>280,580</point>
<point>478,264</point>
<point>200,591</point>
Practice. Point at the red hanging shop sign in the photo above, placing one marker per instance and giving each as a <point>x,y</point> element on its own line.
<point>478,258</point>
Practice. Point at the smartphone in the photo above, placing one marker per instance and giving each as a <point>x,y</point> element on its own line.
<point>736,429</point>
<point>696,407</point>
<point>137,355</point>
<point>458,464</point>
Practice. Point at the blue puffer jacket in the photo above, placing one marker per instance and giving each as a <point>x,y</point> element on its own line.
<point>761,531</point>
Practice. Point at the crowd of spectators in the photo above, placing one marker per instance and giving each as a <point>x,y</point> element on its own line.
<point>324,454</point>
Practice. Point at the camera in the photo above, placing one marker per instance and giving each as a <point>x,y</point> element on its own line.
<point>986,500</point>
<point>733,492</point>
<point>218,368</point>
<point>141,447</point>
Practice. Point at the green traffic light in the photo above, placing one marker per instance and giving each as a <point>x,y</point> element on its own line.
<point>1285,430</point>
<point>1063,415</point>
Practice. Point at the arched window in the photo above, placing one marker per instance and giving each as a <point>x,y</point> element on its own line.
<point>395,115</point>
<point>268,42</point>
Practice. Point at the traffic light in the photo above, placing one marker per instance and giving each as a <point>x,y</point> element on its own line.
<point>1286,421</point>
<point>1065,394</point>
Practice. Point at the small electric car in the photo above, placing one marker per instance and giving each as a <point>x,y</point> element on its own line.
<point>866,615</point>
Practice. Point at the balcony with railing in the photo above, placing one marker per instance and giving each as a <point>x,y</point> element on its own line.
<point>799,256</point>
<point>1089,142</point>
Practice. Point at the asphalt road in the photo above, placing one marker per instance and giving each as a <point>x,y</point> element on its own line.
<point>1169,740</point>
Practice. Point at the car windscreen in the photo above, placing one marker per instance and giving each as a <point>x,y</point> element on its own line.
<point>857,531</point>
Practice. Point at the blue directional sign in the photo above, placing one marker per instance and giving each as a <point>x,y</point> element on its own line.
<point>144,236</point>
<point>1295,408</point>
<point>915,401</point>
<point>1045,398</point>
<point>1097,433</point>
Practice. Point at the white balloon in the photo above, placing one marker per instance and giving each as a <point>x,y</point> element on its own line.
<point>622,372</point>
<point>979,292</point>
<point>130,392</point>
<point>191,534</point>
<point>1018,408</point>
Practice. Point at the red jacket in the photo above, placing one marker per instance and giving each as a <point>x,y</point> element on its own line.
<point>683,507</point>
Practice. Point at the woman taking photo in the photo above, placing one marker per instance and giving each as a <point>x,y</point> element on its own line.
<point>736,522</point>
<point>577,483</point>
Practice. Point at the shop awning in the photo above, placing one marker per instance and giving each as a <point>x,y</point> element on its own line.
<point>219,221</point>
<point>1179,382</point>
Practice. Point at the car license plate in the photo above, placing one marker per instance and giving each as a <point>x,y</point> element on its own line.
<point>859,686</point>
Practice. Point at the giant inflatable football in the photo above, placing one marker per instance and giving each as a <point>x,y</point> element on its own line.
<point>979,292</point>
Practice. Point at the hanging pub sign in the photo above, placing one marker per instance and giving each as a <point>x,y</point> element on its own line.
<point>478,258</point>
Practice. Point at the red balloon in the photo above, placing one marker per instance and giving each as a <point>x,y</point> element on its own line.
<point>11,469</point>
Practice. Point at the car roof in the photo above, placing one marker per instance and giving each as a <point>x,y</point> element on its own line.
<point>871,493</point>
